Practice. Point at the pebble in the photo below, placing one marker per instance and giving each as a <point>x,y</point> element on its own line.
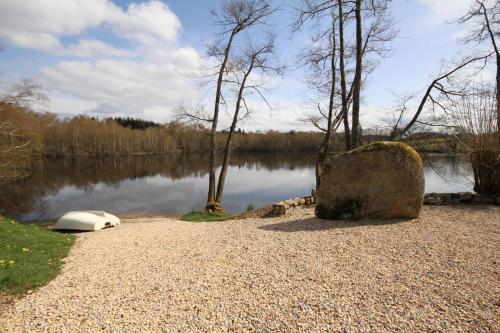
<point>294,273</point>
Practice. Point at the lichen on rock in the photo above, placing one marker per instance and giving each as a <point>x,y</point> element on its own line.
<point>382,180</point>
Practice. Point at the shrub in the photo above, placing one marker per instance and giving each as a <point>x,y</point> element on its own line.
<point>476,126</point>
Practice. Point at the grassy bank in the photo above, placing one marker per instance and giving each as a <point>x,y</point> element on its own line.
<point>435,145</point>
<point>205,217</point>
<point>30,255</point>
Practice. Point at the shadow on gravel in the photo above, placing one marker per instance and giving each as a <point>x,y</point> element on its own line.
<point>315,224</point>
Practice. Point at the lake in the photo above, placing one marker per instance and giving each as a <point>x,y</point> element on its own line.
<point>176,184</point>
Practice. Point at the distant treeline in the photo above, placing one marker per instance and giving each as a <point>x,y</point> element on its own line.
<point>49,136</point>
<point>26,135</point>
<point>44,134</point>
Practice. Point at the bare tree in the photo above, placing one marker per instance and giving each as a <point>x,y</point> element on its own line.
<point>483,18</point>
<point>330,55</point>
<point>475,124</point>
<point>17,136</point>
<point>356,95</point>
<point>24,93</point>
<point>343,85</point>
<point>483,21</point>
<point>437,94</point>
<point>354,59</point>
<point>326,51</point>
<point>375,30</point>
<point>233,17</point>
<point>322,58</point>
<point>258,59</point>
<point>15,151</point>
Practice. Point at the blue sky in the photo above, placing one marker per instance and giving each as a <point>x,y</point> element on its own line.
<point>133,58</point>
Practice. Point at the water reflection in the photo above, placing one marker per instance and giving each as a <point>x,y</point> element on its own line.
<point>447,173</point>
<point>174,184</point>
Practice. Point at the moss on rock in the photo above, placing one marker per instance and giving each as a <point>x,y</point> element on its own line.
<point>388,145</point>
<point>382,180</point>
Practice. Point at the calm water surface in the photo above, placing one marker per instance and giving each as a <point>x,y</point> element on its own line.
<point>172,185</point>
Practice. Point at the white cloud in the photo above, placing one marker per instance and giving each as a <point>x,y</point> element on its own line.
<point>147,23</point>
<point>41,24</point>
<point>40,41</point>
<point>185,57</point>
<point>373,116</point>
<point>67,105</point>
<point>284,116</point>
<point>146,79</point>
<point>444,11</point>
<point>122,86</point>
<point>88,48</point>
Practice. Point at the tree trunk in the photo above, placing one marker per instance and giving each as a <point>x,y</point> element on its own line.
<point>343,85</point>
<point>492,33</point>
<point>211,204</point>
<point>227,148</point>
<point>325,147</point>
<point>357,77</point>
<point>498,94</point>
<point>320,162</point>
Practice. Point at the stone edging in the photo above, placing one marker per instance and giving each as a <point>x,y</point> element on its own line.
<point>432,199</point>
<point>280,208</point>
<point>447,199</point>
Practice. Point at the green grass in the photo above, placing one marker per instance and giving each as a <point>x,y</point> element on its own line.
<point>205,217</point>
<point>30,255</point>
<point>433,144</point>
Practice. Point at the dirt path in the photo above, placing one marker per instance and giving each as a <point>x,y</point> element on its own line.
<point>293,274</point>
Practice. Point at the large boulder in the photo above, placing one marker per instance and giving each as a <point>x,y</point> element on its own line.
<point>383,180</point>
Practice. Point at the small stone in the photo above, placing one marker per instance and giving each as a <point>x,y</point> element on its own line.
<point>484,200</point>
<point>466,196</point>
<point>433,201</point>
<point>279,209</point>
<point>446,198</point>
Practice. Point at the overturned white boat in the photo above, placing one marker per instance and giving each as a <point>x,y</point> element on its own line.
<point>87,220</point>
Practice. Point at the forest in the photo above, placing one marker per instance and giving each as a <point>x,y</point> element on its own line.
<point>27,136</point>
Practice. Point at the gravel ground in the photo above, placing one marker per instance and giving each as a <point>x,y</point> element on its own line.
<point>438,273</point>
<point>5,301</point>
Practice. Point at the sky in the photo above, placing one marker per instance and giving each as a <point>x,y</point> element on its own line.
<point>109,58</point>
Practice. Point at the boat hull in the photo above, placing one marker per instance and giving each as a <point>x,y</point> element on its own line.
<point>86,221</point>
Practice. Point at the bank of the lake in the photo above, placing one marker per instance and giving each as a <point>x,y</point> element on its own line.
<point>30,256</point>
<point>288,274</point>
<point>172,185</point>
